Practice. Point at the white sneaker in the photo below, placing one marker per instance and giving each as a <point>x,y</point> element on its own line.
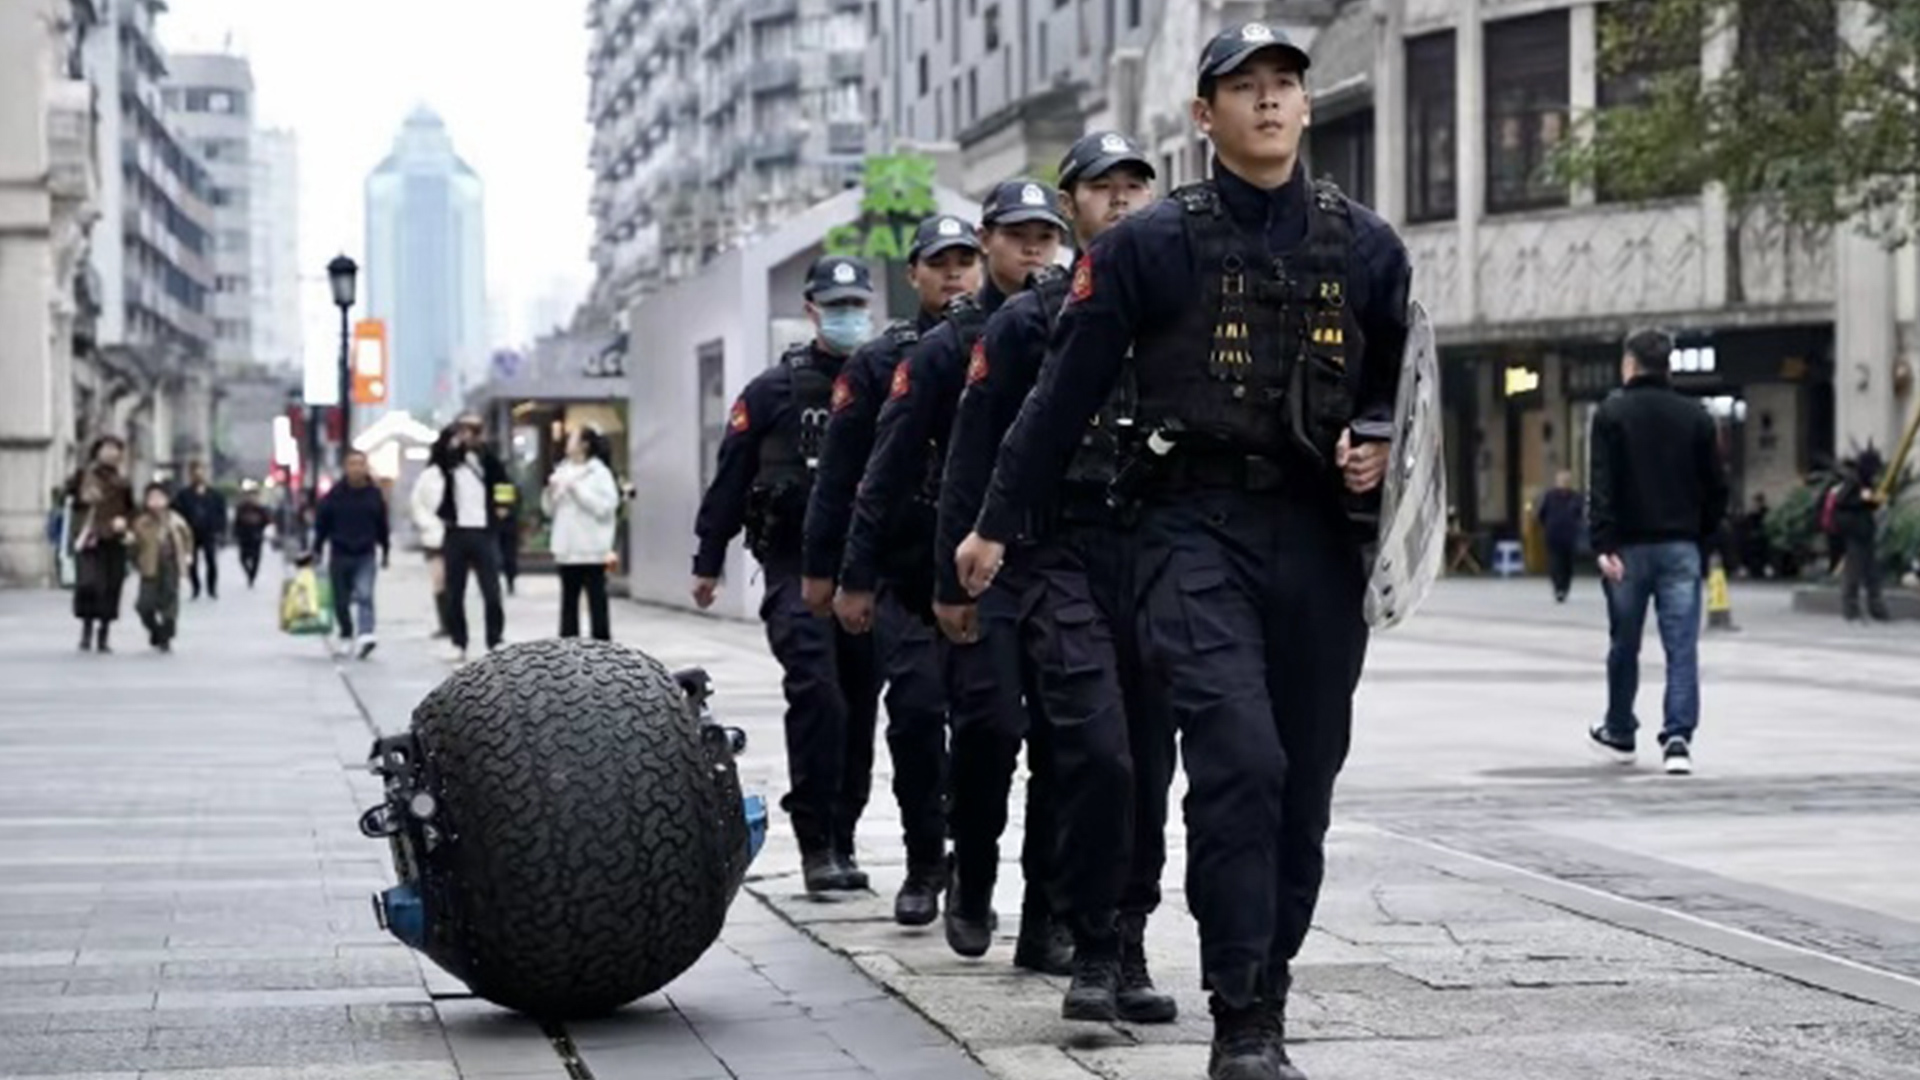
<point>454,655</point>
<point>1677,757</point>
<point>366,645</point>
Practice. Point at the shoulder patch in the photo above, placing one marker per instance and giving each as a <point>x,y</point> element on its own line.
<point>737,419</point>
<point>842,393</point>
<point>901,385</point>
<point>1082,280</point>
<point>977,365</point>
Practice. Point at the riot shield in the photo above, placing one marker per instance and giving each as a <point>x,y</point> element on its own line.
<point>1413,507</point>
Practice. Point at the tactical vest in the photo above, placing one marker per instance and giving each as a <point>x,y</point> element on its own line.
<point>792,451</point>
<point>969,320</point>
<point>1097,460</point>
<point>1259,366</point>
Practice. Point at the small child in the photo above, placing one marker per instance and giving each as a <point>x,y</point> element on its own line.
<point>163,548</point>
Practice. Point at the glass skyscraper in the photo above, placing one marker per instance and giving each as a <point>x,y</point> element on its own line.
<point>426,268</point>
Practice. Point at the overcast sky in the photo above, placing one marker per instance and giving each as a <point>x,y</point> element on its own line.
<point>509,77</point>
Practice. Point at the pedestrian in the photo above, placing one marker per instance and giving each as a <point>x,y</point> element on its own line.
<point>163,549</point>
<point>943,263</point>
<point>1855,507</point>
<point>1261,317</point>
<point>583,502</point>
<point>424,507</point>
<point>471,481</point>
<point>762,484</point>
<point>103,513</point>
<point>204,509</point>
<point>350,528</point>
<point>506,526</point>
<point>991,690</point>
<point>1659,493</point>
<point>250,520</point>
<point>1112,744</point>
<point>1756,549</point>
<point>1561,516</point>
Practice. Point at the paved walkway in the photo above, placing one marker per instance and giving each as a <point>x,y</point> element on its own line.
<point>182,887</point>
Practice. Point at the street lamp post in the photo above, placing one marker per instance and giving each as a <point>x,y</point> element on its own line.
<point>340,274</point>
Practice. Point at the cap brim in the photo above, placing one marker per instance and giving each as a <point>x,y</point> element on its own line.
<point>1234,60</point>
<point>834,293</point>
<point>1018,214</point>
<point>940,244</point>
<point>1106,163</point>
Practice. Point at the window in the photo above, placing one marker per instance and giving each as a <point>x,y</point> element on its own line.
<point>873,18</point>
<point>991,28</point>
<point>959,32</point>
<point>1342,150</point>
<point>940,22</point>
<point>1526,73</point>
<point>1133,14</point>
<point>973,94</point>
<point>1633,84</point>
<point>955,99</point>
<point>1431,194</point>
<point>923,74</point>
<point>711,361</point>
<point>1040,57</point>
<point>940,112</point>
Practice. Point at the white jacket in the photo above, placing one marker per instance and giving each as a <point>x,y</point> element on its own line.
<point>423,504</point>
<point>583,501</point>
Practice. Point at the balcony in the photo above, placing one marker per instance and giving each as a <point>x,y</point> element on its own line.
<point>770,146</point>
<point>847,137</point>
<point>846,64</point>
<point>769,10</point>
<point>775,76</point>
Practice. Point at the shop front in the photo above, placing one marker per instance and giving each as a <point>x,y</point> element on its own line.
<point>533,403</point>
<point>1517,414</point>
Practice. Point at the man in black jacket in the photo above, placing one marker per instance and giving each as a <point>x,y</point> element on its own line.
<point>353,520</point>
<point>205,511</point>
<point>1657,493</point>
<point>477,491</point>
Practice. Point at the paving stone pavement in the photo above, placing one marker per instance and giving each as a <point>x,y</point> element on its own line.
<point>187,863</point>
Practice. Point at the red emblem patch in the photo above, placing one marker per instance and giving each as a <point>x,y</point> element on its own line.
<point>900,383</point>
<point>1082,279</point>
<point>737,420</point>
<point>977,366</point>
<point>842,393</point>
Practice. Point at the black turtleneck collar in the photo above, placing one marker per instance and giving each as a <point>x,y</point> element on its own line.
<point>819,357</point>
<point>1279,213</point>
<point>1649,378</point>
<point>990,296</point>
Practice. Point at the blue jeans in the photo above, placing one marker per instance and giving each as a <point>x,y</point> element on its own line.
<point>353,591</point>
<point>1668,574</point>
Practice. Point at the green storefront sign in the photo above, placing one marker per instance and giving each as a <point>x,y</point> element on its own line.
<point>898,193</point>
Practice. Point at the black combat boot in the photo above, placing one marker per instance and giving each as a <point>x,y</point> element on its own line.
<point>852,878</point>
<point>1243,1043</point>
<point>971,919</point>
<point>1276,1006</point>
<point>86,635</point>
<point>100,643</point>
<point>1096,976</point>
<point>821,870</point>
<point>1045,944</point>
<point>1139,1001</point>
<point>919,900</point>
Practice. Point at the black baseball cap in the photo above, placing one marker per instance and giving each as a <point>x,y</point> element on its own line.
<point>938,233</point>
<point>836,277</point>
<point>1098,152</point>
<point>1235,45</point>
<point>1014,201</point>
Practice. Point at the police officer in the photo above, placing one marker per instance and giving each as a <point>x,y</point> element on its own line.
<point>1266,317</point>
<point>942,263</point>
<point>1023,229</point>
<point>1112,764</point>
<point>765,472</point>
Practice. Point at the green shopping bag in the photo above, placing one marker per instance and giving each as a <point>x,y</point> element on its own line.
<point>306,603</point>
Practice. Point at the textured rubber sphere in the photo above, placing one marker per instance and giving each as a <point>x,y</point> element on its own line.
<point>596,833</point>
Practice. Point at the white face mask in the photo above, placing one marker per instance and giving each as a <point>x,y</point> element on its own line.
<point>845,329</point>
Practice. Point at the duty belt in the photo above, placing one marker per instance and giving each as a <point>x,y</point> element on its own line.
<point>1242,472</point>
<point>1074,504</point>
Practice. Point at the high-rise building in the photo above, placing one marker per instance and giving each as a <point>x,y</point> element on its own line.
<point>425,268</point>
<point>209,99</point>
<point>152,252</point>
<point>277,311</point>
<point>714,119</point>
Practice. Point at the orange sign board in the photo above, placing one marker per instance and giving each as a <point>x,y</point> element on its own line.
<point>370,362</point>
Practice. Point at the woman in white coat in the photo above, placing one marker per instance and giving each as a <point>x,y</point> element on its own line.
<point>583,500</point>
